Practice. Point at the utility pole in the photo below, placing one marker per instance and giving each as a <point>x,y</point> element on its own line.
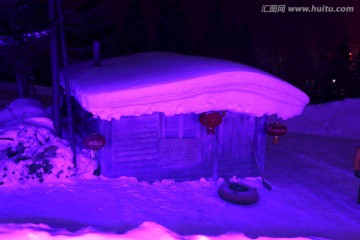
<point>54,60</point>
<point>66,83</point>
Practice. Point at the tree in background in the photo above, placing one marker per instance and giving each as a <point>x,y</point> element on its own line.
<point>215,33</point>
<point>171,32</point>
<point>298,64</point>
<point>86,21</point>
<point>24,25</point>
<point>135,36</point>
<point>339,81</point>
<point>239,45</point>
<point>356,75</point>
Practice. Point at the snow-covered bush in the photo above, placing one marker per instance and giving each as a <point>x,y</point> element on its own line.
<point>29,150</point>
<point>33,153</point>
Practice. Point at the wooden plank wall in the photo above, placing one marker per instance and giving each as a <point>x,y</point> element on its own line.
<point>133,147</point>
<point>135,144</point>
<point>236,156</point>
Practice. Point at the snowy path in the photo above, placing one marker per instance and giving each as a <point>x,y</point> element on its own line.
<point>317,178</point>
<point>314,194</point>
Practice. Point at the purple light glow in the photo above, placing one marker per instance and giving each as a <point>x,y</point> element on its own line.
<point>309,172</point>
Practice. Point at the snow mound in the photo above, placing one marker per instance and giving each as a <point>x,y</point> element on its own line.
<point>25,110</point>
<point>33,153</point>
<point>334,119</point>
<point>147,230</point>
<point>172,83</point>
<point>29,150</point>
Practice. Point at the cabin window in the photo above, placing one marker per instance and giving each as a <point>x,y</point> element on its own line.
<point>180,126</point>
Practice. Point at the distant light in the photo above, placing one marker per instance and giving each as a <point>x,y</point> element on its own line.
<point>334,80</point>
<point>35,34</point>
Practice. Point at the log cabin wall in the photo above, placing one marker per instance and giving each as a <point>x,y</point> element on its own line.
<point>154,147</point>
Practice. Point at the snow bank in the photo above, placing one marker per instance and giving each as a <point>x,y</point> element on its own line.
<point>175,84</point>
<point>147,230</point>
<point>26,111</point>
<point>334,119</point>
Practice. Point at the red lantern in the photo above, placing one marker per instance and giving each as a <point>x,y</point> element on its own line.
<point>276,130</point>
<point>357,160</point>
<point>210,120</point>
<point>94,142</point>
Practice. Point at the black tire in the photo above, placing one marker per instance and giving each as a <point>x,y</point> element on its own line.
<point>238,193</point>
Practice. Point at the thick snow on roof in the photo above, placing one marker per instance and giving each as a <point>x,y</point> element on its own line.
<point>172,83</point>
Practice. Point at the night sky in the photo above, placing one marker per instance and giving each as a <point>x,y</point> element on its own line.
<point>262,24</point>
<point>301,48</point>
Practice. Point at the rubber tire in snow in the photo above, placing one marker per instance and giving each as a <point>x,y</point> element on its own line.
<point>238,193</point>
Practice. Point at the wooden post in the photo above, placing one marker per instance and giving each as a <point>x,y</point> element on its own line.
<point>54,68</point>
<point>357,169</point>
<point>357,159</point>
<point>21,83</point>
<point>96,53</point>
<point>67,83</point>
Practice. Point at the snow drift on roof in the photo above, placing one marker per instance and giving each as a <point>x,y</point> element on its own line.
<point>172,83</point>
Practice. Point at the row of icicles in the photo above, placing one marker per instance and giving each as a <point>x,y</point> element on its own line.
<point>213,119</point>
<point>210,120</point>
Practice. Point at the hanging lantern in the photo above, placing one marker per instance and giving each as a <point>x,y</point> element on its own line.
<point>276,130</point>
<point>357,162</point>
<point>210,120</point>
<point>94,142</point>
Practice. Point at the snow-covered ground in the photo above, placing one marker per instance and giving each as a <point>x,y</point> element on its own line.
<point>314,194</point>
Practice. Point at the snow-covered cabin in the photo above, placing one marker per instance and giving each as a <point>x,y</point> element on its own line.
<point>147,106</point>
